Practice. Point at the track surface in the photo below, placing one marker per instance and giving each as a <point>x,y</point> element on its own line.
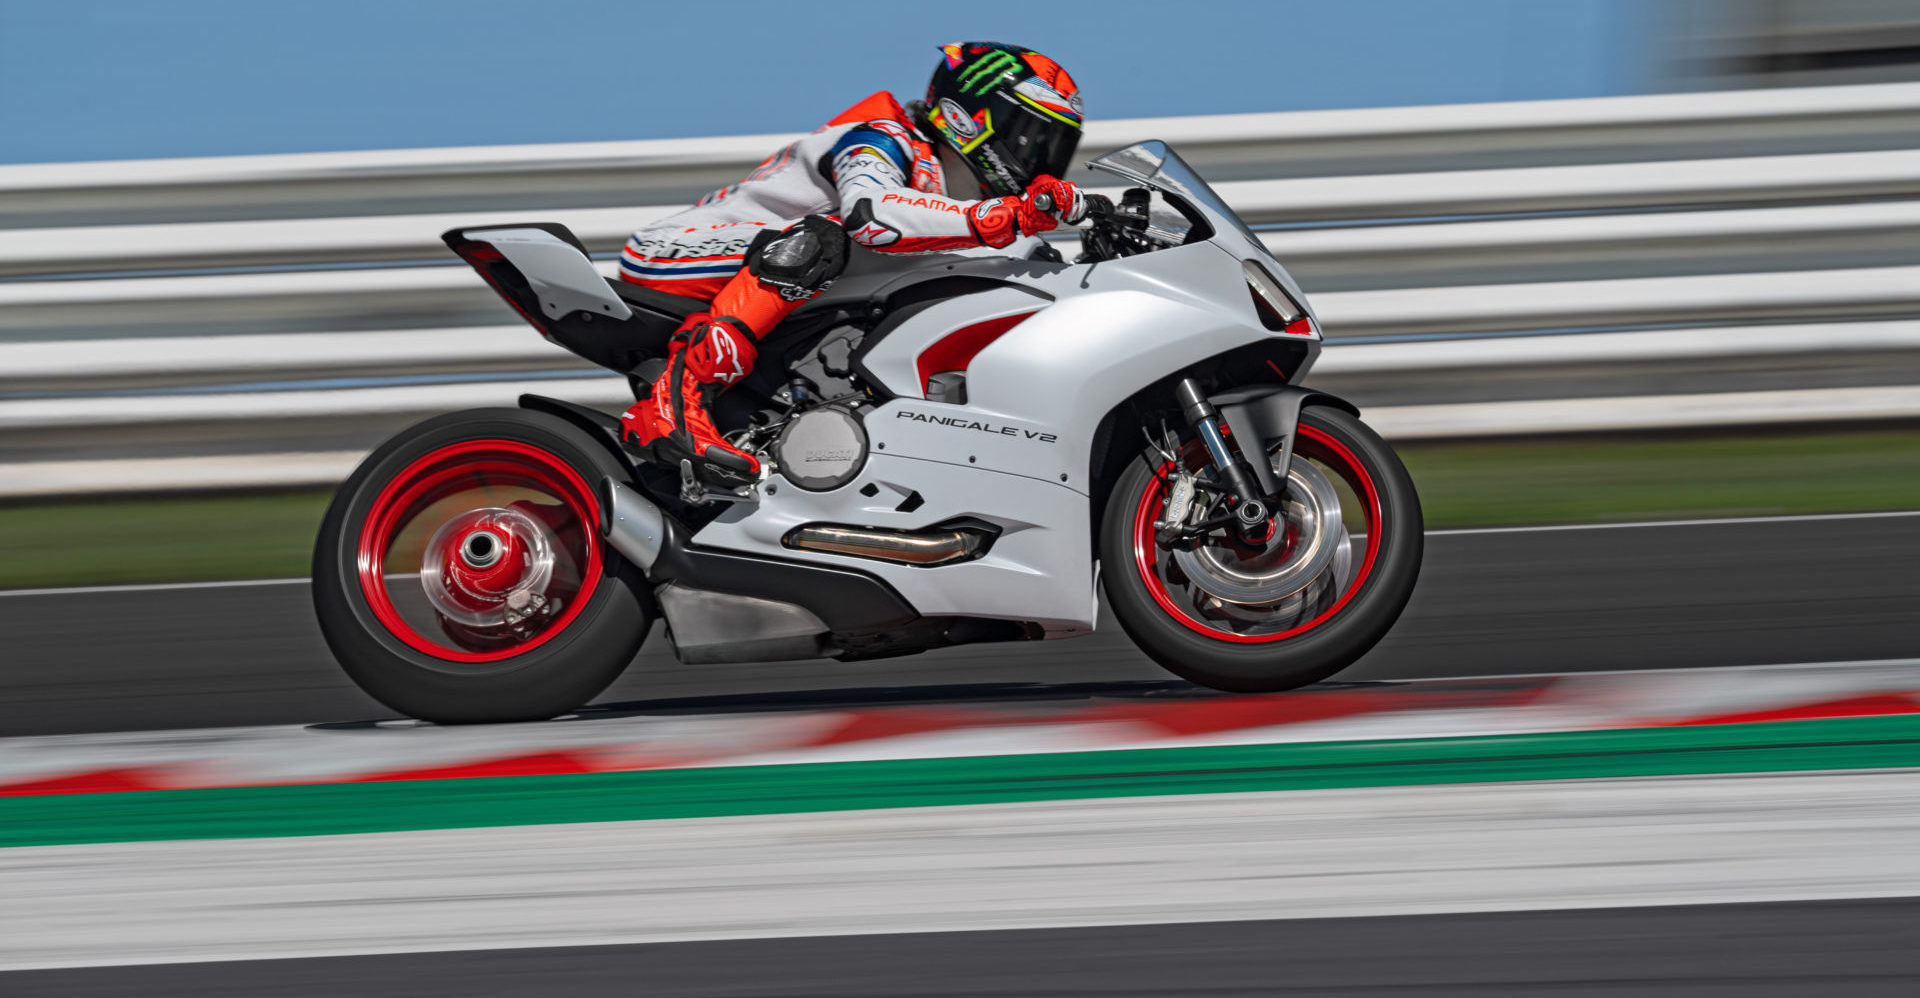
<point>1841,949</point>
<point>1552,600</point>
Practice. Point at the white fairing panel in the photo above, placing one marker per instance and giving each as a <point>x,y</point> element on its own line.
<point>1036,395</point>
<point>1039,569</point>
<point>562,276</point>
<point>1018,453</point>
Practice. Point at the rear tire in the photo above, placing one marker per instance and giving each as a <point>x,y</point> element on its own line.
<point>454,674</point>
<point>1214,655</point>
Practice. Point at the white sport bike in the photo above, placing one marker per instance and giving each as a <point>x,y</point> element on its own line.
<point>956,449</point>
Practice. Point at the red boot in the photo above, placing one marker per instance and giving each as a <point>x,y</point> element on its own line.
<point>705,357</point>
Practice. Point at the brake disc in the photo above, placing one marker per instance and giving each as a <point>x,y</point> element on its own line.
<point>1309,545</point>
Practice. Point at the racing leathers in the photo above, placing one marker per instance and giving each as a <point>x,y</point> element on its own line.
<point>762,247</point>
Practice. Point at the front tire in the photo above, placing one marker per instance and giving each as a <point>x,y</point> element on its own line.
<point>459,576</point>
<point>1238,644</point>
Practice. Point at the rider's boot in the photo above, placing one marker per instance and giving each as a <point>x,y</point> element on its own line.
<point>712,351</point>
<point>705,356</point>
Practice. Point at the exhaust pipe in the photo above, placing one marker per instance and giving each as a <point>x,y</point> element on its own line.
<point>930,547</point>
<point>631,523</point>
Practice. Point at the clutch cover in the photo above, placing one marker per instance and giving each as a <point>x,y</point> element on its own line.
<point>821,449</point>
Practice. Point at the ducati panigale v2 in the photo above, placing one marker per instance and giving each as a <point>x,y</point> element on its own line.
<point>954,449</point>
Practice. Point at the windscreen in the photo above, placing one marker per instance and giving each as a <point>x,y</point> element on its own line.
<point>1154,164</point>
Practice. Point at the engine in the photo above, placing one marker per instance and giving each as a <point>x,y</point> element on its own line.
<point>821,449</point>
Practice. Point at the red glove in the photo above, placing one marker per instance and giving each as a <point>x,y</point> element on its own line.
<point>998,221</point>
<point>1065,203</point>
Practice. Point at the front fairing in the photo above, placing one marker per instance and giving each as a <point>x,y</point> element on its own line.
<point>1155,165</point>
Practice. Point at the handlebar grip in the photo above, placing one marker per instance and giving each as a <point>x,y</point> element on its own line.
<point>1099,206</point>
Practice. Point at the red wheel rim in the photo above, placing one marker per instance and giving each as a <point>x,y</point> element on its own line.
<point>446,482</point>
<point>1310,442</point>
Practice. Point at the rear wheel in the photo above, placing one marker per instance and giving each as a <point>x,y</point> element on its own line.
<point>460,577</point>
<point>1277,612</point>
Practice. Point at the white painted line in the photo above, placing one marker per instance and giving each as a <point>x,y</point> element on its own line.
<point>1704,522</point>
<point>1450,532</point>
<point>1707,521</point>
<point>1862,663</point>
<point>149,587</point>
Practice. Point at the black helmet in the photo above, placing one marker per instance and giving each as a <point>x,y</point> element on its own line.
<point>1011,113</point>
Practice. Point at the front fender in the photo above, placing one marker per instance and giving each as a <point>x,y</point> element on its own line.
<point>1261,415</point>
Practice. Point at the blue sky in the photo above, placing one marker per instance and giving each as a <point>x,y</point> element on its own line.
<point>112,79</point>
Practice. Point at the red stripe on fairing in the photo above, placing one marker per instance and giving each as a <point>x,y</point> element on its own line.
<point>956,350</point>
<point>1872,705</point>
<point>98,781</point>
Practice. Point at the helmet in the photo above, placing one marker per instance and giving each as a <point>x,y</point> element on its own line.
<point>1011,113</point>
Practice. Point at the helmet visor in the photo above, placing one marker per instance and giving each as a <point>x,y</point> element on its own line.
<point>1035,144</point>
<point>1022,148</point>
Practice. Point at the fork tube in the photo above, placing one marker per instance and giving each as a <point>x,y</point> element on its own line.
<point>1205,420</point>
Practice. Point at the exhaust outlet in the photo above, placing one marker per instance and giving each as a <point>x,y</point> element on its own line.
<point>925,547</point>
<point>631,523</point>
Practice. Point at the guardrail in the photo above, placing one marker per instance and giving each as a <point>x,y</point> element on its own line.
<point>259,320</point>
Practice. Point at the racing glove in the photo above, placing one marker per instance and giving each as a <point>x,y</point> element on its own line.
<point>1065,204</point>
<point>1047,203</point>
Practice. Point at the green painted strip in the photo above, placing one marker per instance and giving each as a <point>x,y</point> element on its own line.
<point>245,812</point>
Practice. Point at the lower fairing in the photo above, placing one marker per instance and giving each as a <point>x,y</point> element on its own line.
<point>1039,569</point>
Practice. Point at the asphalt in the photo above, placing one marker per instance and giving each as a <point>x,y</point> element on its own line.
<point>1837,949</point>
<point>1557,600</point>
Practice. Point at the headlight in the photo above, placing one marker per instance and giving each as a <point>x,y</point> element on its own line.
<point>1277,309</point>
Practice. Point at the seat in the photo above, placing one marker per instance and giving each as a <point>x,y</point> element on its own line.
<point>677,306</point>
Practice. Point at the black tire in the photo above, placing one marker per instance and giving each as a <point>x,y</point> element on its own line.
<point>1290,662</point>
<point>563,673</point>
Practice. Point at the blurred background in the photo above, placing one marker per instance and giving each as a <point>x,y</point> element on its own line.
<point>1590,259</point>
<point>1632,285</point>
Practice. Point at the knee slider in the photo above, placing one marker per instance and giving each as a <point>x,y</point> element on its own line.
<point>800,261</point>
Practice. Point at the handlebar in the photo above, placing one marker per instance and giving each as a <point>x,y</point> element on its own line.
<point>1129,213</point>
<point>1118,229</point>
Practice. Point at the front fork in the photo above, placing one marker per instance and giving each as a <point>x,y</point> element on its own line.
<point>1249,508</point>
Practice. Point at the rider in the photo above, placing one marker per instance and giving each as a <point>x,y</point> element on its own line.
<point>975,165</point>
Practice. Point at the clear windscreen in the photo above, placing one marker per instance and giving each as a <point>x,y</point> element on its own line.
<point>1154,164</point>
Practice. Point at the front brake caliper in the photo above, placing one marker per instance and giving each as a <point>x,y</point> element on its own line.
<point>1179,502</point>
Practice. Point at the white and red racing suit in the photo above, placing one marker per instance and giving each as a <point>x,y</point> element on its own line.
<point>870,154</point>
<point>868,170</point>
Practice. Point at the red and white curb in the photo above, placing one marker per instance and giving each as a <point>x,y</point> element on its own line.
<point>592,744</point>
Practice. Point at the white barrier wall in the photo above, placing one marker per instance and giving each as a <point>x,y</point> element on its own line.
<point>175,323</point>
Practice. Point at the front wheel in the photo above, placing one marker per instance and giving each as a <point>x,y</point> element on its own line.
<point>459,575</point>
<point>1258,616</point>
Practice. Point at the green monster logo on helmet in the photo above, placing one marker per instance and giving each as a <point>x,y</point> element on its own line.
<point>1011,113</point>
<point>986,71</point>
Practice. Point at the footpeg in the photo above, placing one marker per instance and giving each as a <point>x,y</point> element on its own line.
<point>697,493</point>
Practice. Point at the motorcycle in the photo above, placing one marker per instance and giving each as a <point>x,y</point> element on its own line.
<point>955,448</point>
